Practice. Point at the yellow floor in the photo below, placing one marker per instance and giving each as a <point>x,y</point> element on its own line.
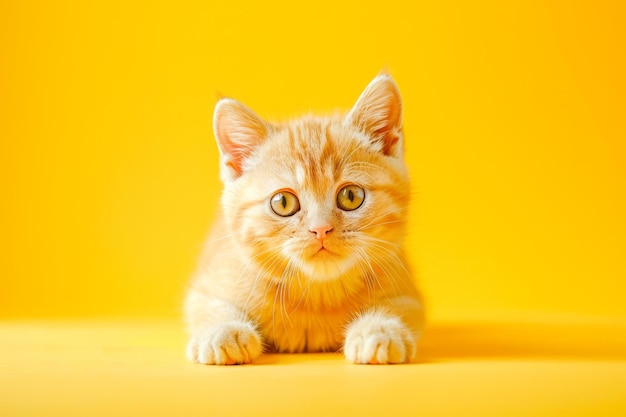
<point>117,368</point>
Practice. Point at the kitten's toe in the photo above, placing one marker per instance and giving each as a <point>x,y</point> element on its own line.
<point>227,344</point>
<point>378,338</point>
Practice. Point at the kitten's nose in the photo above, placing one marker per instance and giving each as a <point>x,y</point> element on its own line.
<point>321,231</point>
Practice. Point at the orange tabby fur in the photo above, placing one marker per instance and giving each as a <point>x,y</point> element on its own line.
<point>267,282</point>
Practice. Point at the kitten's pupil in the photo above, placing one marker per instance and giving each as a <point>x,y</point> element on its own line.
<point>283,201</point>
<point>350,195</point>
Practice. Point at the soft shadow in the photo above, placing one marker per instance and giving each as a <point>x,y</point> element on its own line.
<point>467,340</point>
<point>265,359</point>
<point>272,358</point>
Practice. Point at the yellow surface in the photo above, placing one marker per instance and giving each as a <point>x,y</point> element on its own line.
<point>516,135</point>
<point>468,368</point>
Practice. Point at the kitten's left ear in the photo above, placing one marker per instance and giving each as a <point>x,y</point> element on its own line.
<point>378,113</point>
<point>238,131</point>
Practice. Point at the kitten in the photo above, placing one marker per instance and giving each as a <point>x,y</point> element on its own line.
<point>307,254</point>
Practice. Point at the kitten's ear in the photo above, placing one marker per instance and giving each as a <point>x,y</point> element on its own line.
<point>378,113</point>
<point>238,131</point>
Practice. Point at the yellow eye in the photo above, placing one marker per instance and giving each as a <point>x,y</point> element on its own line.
<point>285,204</point>
<point>350,197</point>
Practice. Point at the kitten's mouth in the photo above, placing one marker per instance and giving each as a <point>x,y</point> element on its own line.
<point>322,250</point>
<point>320,263</point>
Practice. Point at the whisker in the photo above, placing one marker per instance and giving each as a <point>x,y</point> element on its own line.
<point>385,255</point>
<point>371,226</point>
<point>376,219</point>
<point>270,260</point>
<point>219,239</point>
<point>381,241</point>
<point>369,275</point>
<point>388,270</point>
<point>384,260</point>
<point>304,294</point>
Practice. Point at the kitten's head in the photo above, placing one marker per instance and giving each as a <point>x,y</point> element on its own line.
<point>321,197</point>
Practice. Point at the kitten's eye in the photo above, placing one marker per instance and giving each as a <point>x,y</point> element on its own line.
<point>285,204</point>
<point>350,197</point>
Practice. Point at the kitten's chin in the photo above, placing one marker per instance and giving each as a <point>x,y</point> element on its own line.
<point>325,266</point>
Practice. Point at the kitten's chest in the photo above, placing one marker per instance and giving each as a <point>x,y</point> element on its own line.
<point>288,328</point>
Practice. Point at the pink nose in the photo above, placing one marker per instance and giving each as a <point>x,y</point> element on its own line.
<point>321,231</point>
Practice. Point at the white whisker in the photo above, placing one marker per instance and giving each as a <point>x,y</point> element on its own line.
<point>376,220</point>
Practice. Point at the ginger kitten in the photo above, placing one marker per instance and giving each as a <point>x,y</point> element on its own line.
<point>307,254</point>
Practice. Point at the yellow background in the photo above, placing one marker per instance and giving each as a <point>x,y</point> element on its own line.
<point>514,117</point>
<point>516,142</point>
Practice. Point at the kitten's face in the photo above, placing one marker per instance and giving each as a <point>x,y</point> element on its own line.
<point>318,197</point>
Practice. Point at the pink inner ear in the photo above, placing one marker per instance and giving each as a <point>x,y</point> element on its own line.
<point>233,152</point>
<point>379,112</point>
<point>238,130</point>
<point>235,167</point>
<point>390,139</point>
<point>391,130</point>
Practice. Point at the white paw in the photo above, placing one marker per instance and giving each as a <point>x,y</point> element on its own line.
<point>379,338</point>
<point>230,343</point>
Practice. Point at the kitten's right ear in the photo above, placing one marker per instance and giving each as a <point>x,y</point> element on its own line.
<point>238,131</point>
<point>378,112</point>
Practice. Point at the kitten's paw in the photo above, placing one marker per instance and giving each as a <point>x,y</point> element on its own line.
<point>230,343</point>
<point>379,338</point>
